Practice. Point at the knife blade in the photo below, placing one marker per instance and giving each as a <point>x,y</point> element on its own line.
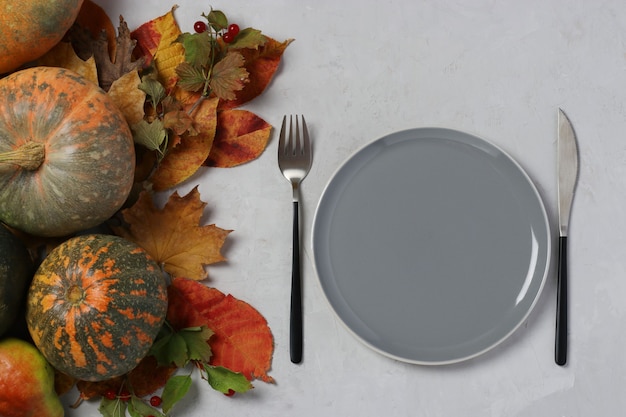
<point>567,169</point>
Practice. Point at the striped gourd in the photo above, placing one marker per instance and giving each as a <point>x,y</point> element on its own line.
<point>95,305</point>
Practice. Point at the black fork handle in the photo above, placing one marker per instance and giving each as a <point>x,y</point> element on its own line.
<point>295,334</point>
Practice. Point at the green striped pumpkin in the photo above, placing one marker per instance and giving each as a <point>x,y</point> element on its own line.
<point>95,306</point>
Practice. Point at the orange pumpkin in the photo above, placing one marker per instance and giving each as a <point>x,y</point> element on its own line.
<point>30,28</point>
<point>67,157</point>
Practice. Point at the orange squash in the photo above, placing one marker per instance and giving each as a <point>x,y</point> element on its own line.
<point>67,157</point>
<point>30,28</point>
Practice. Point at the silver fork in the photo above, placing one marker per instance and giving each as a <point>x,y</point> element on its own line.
<point>294,160</point>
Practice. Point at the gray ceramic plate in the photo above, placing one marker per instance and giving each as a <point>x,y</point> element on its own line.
<point>431,245</point>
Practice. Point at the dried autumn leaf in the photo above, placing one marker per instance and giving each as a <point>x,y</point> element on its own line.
<point>95,20</point>
<point>241,137</point>
<point>128,97</point>
<point>145,378</point>
<point>156,41</point>
<point>63,56</point>
<point>242,340</point>
<point>173,235</point>
<point>229,76</point>
<point>183,159</point>
<point>261,65</point>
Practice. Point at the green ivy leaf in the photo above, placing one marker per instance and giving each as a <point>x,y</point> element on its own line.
<point>196,339</point>
<point>223,379</point>
<point>150,135</point>
<point>138,408</point>
<point>112,408</point>
<point>191,78</point>
<point>229,76</point>
<point>248,38</point>
<point>153,89</point>
<point>217,19</point>
<point>197,48</point>
<point>175,390</point>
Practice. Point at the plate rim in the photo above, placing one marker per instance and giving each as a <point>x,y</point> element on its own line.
<point>440,130</point>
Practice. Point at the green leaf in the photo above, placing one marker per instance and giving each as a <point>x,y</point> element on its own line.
<point>112,408</point>
<point>197,48</point>
<point>191,78</point>
<point>138,408</point>
<point>248,38</point>
<point>229,76</point>
<point>196,339</point>
<point>150,135</point>
<point>223,379</point>
<point>153,89</point>
<point>175,390</point>
<point>217,20</point>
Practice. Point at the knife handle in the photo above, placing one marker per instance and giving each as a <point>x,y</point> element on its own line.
<point>560,352</point>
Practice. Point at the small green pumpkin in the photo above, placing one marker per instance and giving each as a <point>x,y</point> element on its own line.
<point>67,158</point>
<point>95,306</point>
<point>16,271</point>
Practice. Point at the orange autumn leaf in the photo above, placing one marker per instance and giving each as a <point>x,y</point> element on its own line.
<point>242,340</point>
<point>173,235</point>
<point>261,65</point>
<point>156,41</point>
<point>64,56</point>
<point>241,137</point>
<point>185,157</point>
<point>94,19</point>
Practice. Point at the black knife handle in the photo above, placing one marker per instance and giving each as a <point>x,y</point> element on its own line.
<point>560,351</point>
<point>295,321</point>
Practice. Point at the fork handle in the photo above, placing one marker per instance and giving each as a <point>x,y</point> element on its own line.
<point>295,334</point>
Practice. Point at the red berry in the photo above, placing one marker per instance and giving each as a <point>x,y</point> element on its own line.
<point>233,29</point>
<point>199,26</point>
<point>109,394</point>
<point>230,393</point>
<point>124,395</point>
<point>156,401</point>
<point>228,37</point>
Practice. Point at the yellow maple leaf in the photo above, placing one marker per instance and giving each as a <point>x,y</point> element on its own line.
<point>173,235</point>
<point>128,97</point>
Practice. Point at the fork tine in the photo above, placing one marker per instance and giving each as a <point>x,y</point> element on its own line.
<point>296,145</point>
<point>306,145</point>
<point>281,138</point>
<point>289,147</point>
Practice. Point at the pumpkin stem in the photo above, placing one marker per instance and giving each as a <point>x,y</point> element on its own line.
<point>29,156</point>
<point>75,294</point>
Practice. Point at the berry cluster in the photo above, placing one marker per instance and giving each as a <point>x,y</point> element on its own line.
<point>125,396</point>
<point>228,36</point>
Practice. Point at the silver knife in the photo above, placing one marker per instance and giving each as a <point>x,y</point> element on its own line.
<point>567,168</point>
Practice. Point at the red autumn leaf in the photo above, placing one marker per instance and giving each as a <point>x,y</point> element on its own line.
<point>261,65</point>
<point>242,340</point>
<point>241,137</point>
